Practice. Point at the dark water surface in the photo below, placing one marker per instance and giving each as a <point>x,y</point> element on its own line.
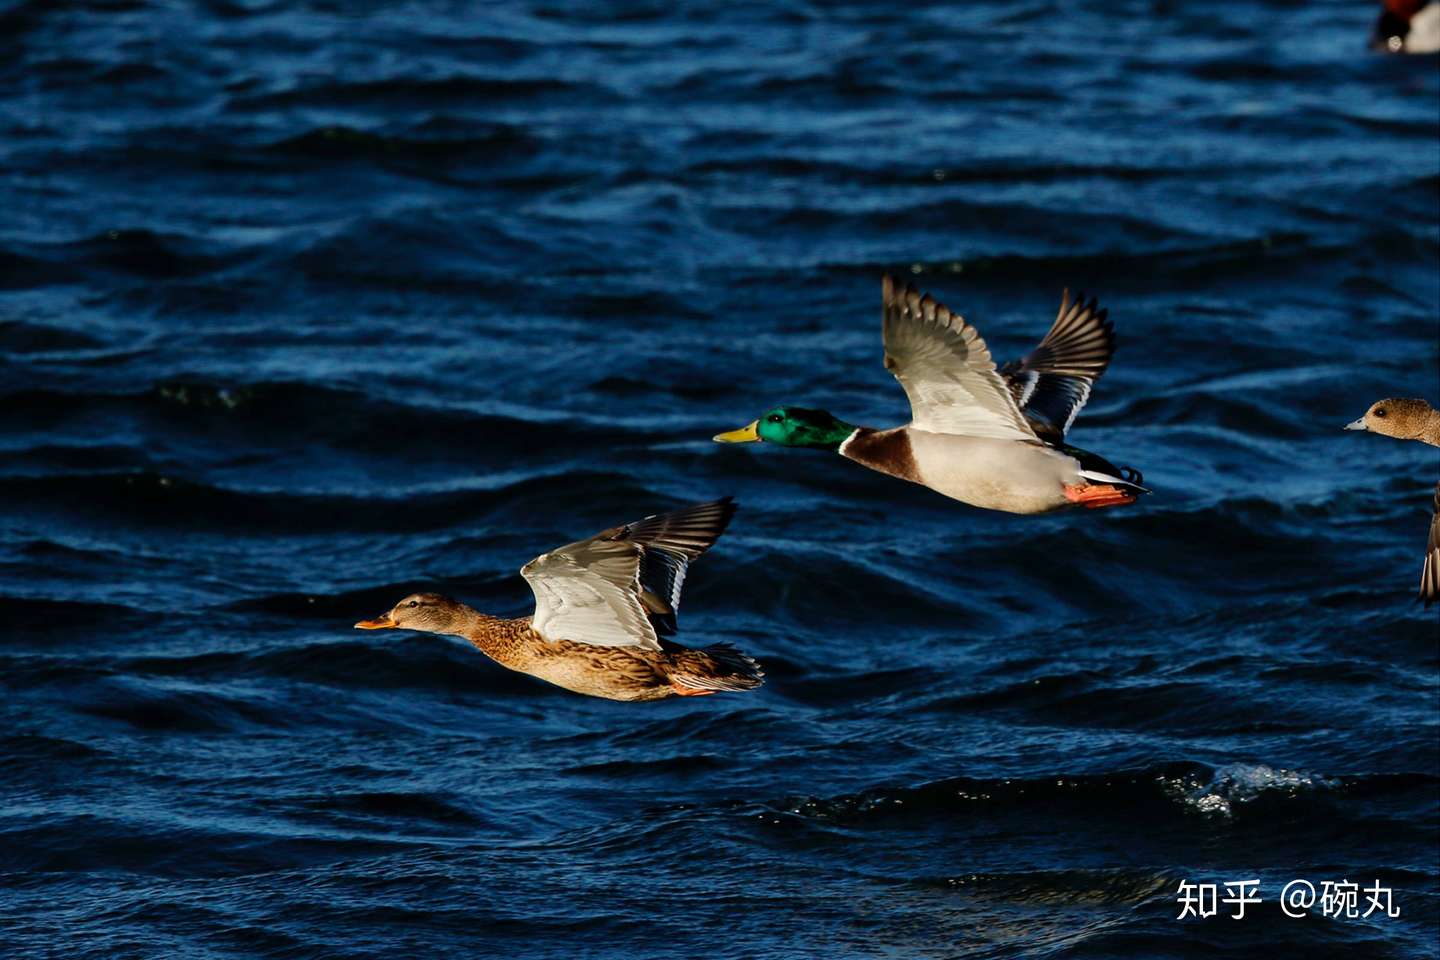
<point>301,310</point>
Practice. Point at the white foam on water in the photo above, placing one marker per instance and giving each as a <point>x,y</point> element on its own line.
<point>1241,783</point>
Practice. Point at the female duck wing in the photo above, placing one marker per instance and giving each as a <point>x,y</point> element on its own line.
<point>589,592</point>
<point>1430,574</point>
<point>1052,382</point>
<point>946,370</point>
<point>671,541</point>
<point>605,590</point>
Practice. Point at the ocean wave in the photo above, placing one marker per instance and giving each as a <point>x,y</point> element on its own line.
<point>659,766</point>
<point>433,142</point>
<point>1179,265</point>
<point>162,500</point>
<point>305,311</point>
<point>1057,888</point>
<point>1234,785</point>
<point>195,424</point>
<point>136,252</point>
<point>1154,792</point>
<point>35,615</point>
<point>20,337</point>
<point>395,92</point>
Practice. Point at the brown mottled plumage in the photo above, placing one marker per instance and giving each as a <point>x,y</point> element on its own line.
<point>601,608</point>
<point>1403,419</point>
<point>1412,419</point>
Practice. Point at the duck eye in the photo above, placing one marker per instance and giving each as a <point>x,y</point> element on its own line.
<point>1380,412</point>
<point>774,418</point>
<point>413,603</point>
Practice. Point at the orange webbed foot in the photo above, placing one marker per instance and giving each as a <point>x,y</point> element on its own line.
<point>1093,496</point>
<point>690,691</point>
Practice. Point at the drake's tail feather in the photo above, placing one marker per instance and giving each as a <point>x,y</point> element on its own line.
<point>1133,477</point>
<point>1096,469</point>
<point>1128,479</point>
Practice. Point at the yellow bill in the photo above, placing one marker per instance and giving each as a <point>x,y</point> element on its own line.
<point>379,623</point>
<point>746,434</point>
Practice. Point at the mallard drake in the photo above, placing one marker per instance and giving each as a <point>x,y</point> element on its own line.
<point>603,607</point>
<point>1412,419</point>
<point>990,438</point>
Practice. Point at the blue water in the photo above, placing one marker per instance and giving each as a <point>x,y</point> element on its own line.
<point>302,309</point>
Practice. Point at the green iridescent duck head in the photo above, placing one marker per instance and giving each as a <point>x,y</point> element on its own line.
<point>793,427</point>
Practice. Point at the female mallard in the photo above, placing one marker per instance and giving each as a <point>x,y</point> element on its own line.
<point>1410,419</point>
<point>990,438</point>
<point>602,607</point>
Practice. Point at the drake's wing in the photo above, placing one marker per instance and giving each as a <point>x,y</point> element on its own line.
<point>1053,381</point>
<point>621,587</point>
<point>946,370</point>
